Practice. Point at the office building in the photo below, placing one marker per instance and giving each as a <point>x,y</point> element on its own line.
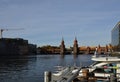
<point>115,37</point>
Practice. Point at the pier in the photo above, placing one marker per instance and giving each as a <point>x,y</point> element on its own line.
<point>71,74</point>
<point>68,75</point>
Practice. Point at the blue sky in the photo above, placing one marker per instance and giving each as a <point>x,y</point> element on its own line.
<point>45,22</point>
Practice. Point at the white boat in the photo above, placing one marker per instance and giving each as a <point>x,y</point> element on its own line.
<point>106,59</point>
<point>104,66</point>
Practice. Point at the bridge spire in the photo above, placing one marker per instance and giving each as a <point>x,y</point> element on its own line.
<point>75,47</point>
<point>62,47</point>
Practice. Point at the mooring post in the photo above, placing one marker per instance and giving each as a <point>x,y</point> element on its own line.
<point>47,76</point>
<point>113,77</point>
<point>85,74</point>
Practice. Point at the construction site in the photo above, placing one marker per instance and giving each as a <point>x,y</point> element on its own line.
<point>15,46</point>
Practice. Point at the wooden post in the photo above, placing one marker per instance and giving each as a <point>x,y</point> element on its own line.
<point>47,76</point>
<point>113,77</point>
<point>85,74</point>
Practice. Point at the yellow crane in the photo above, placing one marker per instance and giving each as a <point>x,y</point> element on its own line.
<point>2,30</point>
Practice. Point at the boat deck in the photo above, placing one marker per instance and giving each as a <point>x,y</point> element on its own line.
<point>69,75</point>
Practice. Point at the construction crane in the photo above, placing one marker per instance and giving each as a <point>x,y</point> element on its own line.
<point>2,30</point>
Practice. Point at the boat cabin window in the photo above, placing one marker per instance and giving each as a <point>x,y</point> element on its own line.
<point>105,69</point>
<point>109,70</point>
<point>99,70</point>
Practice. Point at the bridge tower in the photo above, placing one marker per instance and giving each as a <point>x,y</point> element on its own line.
<point>99,49</point>
<point>106,49</point>
<point>62,47</point>
<point>75,47</point>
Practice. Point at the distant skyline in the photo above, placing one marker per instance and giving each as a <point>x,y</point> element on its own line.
<point>45,22</point>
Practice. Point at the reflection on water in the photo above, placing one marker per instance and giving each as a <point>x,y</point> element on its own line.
<point>16,68</point>
<point>31,68</point>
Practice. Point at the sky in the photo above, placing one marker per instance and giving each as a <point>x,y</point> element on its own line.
<point>46,22</point>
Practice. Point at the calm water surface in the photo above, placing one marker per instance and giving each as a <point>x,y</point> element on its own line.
<point>31,68</point>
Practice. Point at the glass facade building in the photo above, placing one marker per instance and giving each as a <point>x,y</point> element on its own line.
<point>115,37</point>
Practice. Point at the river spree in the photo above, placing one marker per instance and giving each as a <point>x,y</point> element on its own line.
<point>31,68</point>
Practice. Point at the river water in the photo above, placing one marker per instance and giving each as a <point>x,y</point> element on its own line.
<point>31,68</point>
